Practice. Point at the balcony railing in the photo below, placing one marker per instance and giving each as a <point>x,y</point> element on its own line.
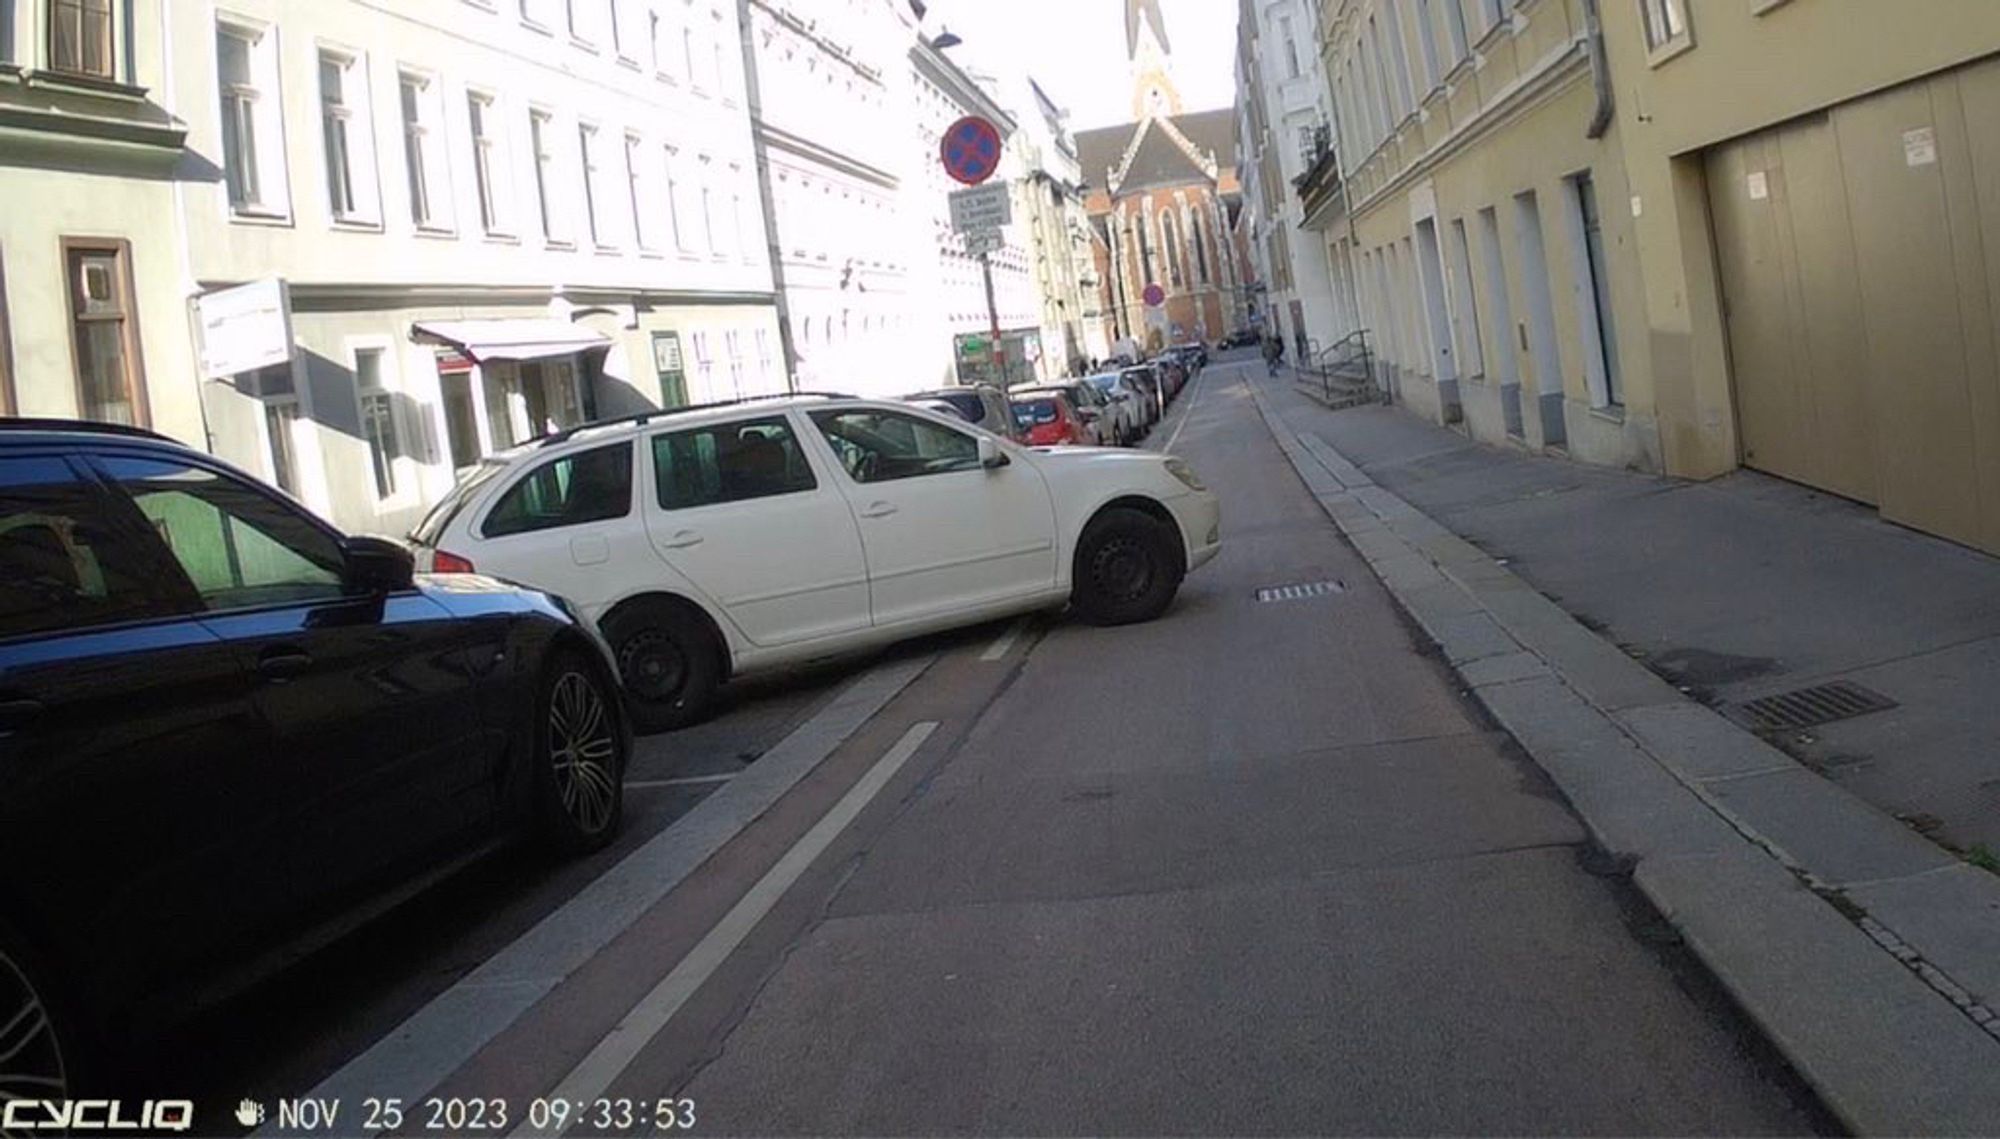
<point>1321,180</point>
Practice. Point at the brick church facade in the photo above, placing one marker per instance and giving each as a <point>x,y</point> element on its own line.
<point>1165,206</point>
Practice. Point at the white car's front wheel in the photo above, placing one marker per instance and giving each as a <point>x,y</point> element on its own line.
<point>1127,568</point>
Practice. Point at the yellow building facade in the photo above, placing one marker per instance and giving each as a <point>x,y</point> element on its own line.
<point>1684,237</point>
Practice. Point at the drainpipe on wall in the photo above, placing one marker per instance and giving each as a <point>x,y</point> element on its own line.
<point>1600,70</point>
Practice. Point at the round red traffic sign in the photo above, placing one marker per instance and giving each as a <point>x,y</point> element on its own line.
<point>1154,296</point>
<point>970,150</point>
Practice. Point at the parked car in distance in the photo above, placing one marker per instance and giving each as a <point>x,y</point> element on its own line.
<point>1146,379</point>
<point>226,729</point>
<point>1173,374</point>
<point>715,541</point>
<point>1048,419</point>
<point>1127,401</point>
<point>942,407</point>
<point>981,405</point>
<point>1195,351</point>
<point>1094,407</point>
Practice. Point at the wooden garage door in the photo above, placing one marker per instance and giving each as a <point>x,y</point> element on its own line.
<point>1793,303</point>
<point>1860,261</point>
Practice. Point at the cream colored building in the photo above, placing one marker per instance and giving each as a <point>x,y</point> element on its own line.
<point>93,319</point>
<point>1683,237</point>
<point>493,219</point>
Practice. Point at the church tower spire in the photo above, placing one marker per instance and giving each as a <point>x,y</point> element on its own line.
<point>1150,54</point>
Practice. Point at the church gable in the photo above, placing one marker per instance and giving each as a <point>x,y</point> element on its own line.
<point>1160,155</point>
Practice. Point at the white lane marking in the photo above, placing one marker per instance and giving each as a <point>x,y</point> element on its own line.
<point>1187,413</point>
<point>680,781</point>
<point>594,1074</point>
<point>1005,643</point>
<point>439,1038</point>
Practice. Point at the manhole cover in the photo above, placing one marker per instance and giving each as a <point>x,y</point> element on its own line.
<point>1820,704</point>
<point>1300,592</point>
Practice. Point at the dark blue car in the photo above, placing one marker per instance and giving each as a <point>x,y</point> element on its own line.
<point>226,728</point>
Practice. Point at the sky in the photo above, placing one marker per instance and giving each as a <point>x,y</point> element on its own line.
<point>1076,49</point>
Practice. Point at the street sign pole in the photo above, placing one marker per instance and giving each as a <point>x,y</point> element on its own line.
<point>993,319</point>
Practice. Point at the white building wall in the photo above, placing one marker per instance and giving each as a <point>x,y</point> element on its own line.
<point>829,127</point>
<point>1287,67</point>
<point>677,251</point>
<point>64,176</point>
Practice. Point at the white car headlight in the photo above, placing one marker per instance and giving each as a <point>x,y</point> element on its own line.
<point>1185,473</point>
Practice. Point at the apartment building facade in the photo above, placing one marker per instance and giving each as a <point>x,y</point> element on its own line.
<point>1057,227</point>
<point>1284,125</point>
<point>1685,238</point>
<point>833,136</point>
<point>492,220</point>
<point>93,319</point>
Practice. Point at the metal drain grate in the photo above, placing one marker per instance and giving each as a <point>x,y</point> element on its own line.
<point>1300,592</point>
<point>1820,704</point>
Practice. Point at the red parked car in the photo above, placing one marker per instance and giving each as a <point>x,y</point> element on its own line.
<point>1048,419</point>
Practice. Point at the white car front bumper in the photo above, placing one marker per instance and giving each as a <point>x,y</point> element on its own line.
<point>1200,516</point>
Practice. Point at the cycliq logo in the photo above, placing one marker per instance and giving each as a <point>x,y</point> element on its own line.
<point>19,1115</point>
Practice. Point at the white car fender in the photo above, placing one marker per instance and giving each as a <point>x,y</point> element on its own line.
<point>1084,480</point>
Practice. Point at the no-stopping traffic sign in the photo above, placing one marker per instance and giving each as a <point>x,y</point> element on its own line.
<point>970,150</point>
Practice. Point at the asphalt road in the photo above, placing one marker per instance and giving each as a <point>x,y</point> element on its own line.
<point>1254,868</point>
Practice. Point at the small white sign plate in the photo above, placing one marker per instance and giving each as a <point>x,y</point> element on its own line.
<point>1920,146</point>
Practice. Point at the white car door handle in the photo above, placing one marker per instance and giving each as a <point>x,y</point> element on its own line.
<point>878,510</point>
<point>682,539</point>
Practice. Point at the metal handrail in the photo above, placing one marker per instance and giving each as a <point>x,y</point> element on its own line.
<point>1343,353</point>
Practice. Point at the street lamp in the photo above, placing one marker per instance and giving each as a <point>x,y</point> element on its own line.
<point>945,39</point>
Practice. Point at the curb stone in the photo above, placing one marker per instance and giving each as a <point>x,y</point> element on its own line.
<point>1888,1015</point>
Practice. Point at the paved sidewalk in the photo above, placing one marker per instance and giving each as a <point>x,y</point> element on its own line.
<point>1739,588</point>
<point>1868,955</point>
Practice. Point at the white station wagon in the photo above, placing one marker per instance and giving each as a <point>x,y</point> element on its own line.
<point>709,542</point>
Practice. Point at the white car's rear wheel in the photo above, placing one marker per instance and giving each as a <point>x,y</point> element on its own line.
<point>668,662</point>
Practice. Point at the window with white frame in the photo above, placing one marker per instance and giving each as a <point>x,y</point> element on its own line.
<point>720,72</point>
<point>577,18</point>
<point>538,13</point>
<point>739,214</point>
<point>541,153</point>
<point>694,46</point>
<point>708,228</point>
<point>1666,24</point>
<point>377,403</point>
<point>704,366</point>
<point>1291,47</point>
<point>733,344</point>
<point>639,193</point>
<point>1455,35</point>
<point>590,156</point>
<point>253,152</point>
<point>681,200</point>
<point>489,164</point>
<point>764,363</point>
<point>1433,74</point>
<point>654,31</point>
<point>345,138</point>
<point>621,42</point>
<point>424,160</point>
<point>1493,13</point>
<point>1398,48</point>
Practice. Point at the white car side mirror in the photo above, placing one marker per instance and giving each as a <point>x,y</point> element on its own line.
<point>991,456</point>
